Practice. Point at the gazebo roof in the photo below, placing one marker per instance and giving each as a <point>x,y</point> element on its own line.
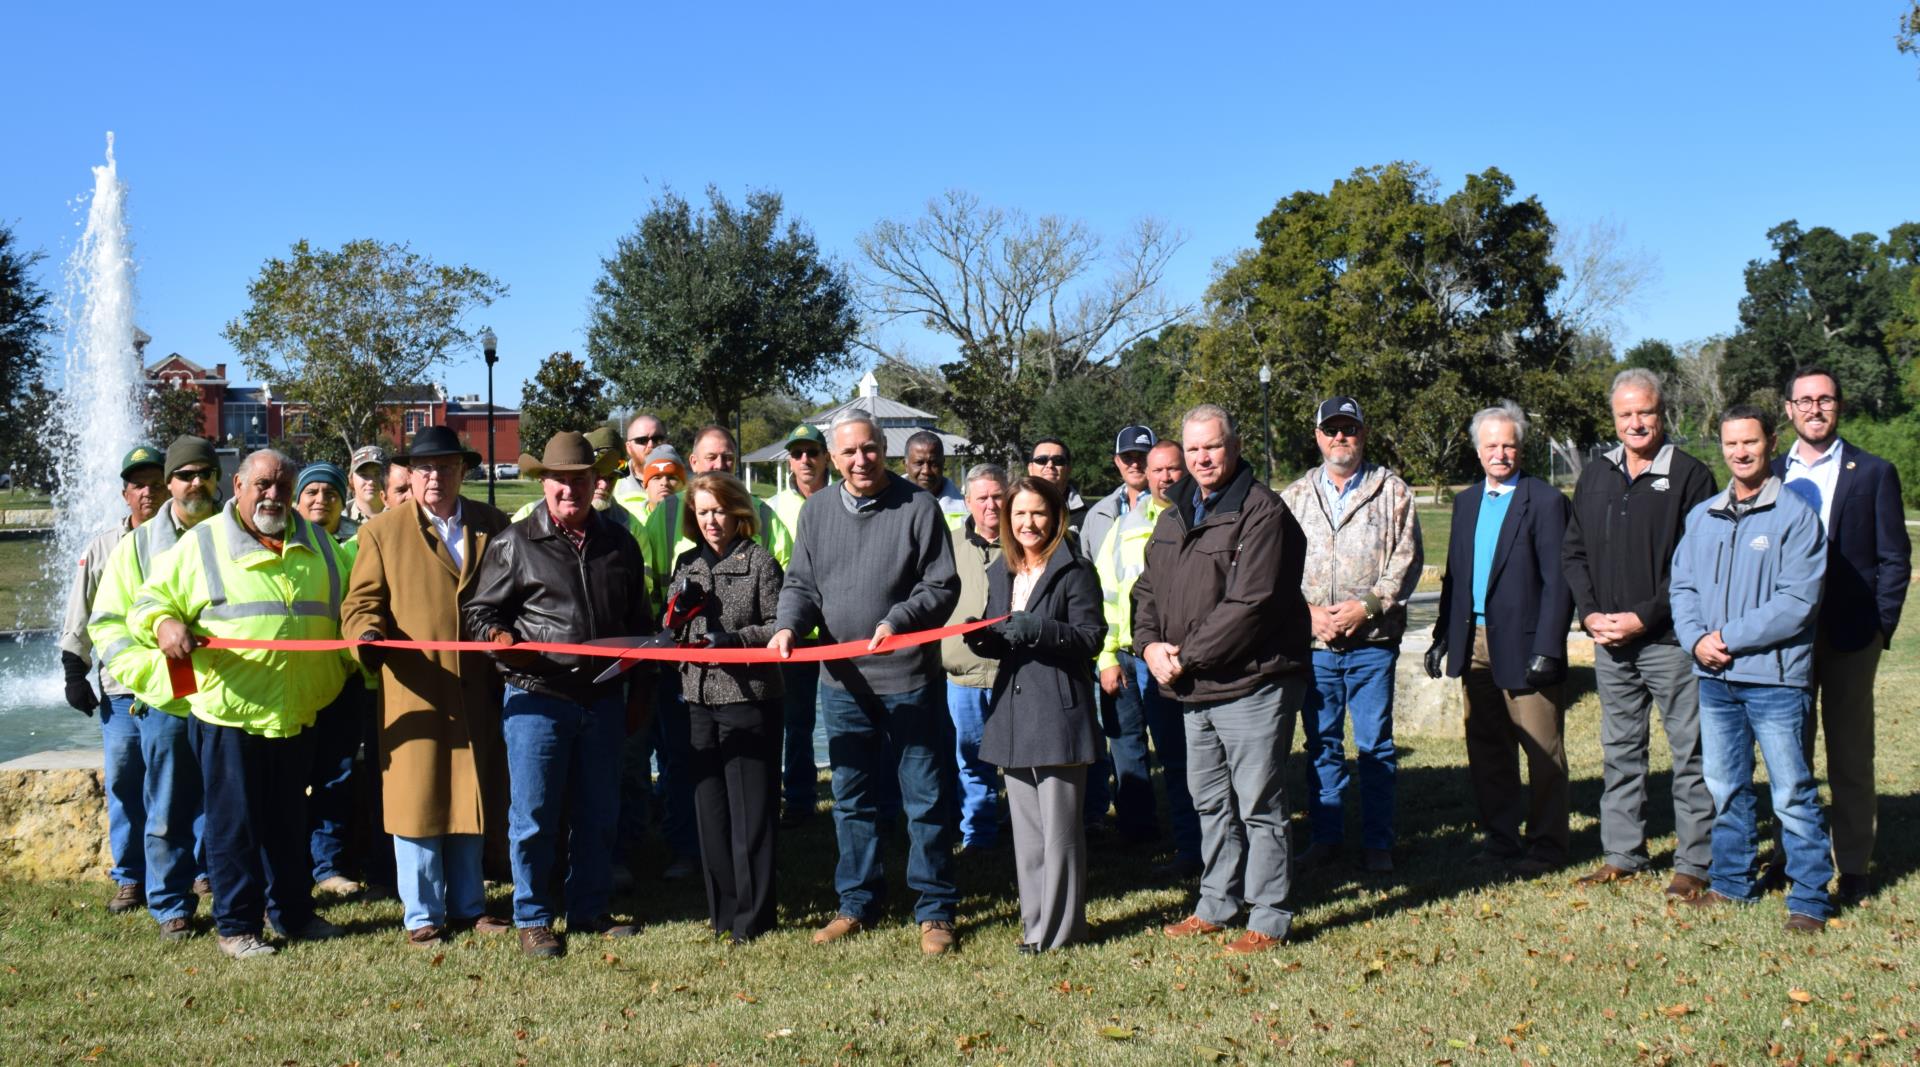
<point>897,423</point>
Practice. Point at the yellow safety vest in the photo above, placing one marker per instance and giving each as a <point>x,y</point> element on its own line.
<point>141,668</point>
<point>222,582</point>
<point>1119,562</point>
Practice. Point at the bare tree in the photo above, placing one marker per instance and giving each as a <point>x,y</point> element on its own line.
<point>1696,395</point>
<point>1602,279</point>
<point>993,279</point>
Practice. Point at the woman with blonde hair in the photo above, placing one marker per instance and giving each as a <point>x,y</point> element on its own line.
<point>734,710</point>
<point>1040,726</point>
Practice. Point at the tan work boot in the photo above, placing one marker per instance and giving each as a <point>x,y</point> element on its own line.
<point>840,927</point>
<point>936,937</point>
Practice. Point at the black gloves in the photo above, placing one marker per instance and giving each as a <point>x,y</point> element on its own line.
<point>1544,671</point>
<point>372,656</point>
<point>1022,628</point>
<point>722,639</point>
<point>1436,659</point>
<point>79,687</point>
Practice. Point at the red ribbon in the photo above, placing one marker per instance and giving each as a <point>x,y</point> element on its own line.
<point>684,654</point>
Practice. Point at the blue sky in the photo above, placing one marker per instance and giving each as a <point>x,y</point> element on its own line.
<point>524,139</point>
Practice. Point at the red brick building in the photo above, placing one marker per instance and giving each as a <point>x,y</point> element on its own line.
<point>249,416</point>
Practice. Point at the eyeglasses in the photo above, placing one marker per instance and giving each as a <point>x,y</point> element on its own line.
<point>649,439</point>
<point>201,475</point>
<point>1808,403</point>
<point>1048,461</point>
<point>1347,431</point>
<point>437,470</point>
<point>805,453</point>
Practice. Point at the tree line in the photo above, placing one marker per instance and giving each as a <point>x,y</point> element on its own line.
<point>1424,301</point>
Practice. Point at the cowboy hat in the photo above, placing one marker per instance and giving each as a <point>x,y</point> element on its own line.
<point>436,441</point>
<point>567,452</point>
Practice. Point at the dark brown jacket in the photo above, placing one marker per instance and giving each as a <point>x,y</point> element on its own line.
<point>742,597</point>
<point>1227,591</point>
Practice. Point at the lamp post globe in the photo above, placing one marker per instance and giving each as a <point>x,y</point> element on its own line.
<point>490,348</point>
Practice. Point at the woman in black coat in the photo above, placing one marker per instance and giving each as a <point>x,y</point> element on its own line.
<point>1040,723</point>
<point>734,710</point>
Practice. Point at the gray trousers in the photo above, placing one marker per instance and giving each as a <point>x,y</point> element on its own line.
<point>1630,683</point>
<point>1236,756</point>
<point>1050,852</point>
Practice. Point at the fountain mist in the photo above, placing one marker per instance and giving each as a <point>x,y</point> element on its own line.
<point>98,415</point>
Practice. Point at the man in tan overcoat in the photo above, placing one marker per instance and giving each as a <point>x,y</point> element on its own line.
<point>442,768</point>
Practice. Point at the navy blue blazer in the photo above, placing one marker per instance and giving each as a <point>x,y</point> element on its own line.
<point>1869,555</point>
<point>1528,604</point>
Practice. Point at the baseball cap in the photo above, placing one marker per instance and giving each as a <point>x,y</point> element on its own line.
<point>368,455</point>
<point>141,456</point>
<point>1134,439</point>
<point>805,432</point>
<point>1335,407</point>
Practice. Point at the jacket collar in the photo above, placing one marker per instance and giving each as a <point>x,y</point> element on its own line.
<point>734,562</point>
<point>241,544</point>
<point>1662,460</point>
<point>1721,503</point>
<point>1232,498</point>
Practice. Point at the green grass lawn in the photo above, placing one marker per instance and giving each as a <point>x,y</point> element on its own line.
<point>1439,963</point>
<point>24,590</point>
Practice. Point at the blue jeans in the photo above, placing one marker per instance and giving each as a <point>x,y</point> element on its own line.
<point>979,780</point>
<point>176,816</point>
<point>125,773</point>
<point>439,879</point>
<point>1144,712</point>
<point>800,778</point>
<point>337,732</point>
<point>256,826</point>
<point>1356,683</point>
<point>563,769</point>
<point>1733,717</point>
<point>908,738</point>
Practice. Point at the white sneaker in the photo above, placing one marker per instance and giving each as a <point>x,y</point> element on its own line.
<point>245,946</point>
<point>335,885</point>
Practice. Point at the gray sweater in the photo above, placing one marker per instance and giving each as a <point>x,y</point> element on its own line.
<point>889,561</point>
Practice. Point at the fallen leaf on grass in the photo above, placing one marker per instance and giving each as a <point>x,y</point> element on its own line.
<point>746,998</point>
<point>1799,996</point>
<point>774,1035</point>
<point>438,959</point>
<point>1675,1011</point>
<point>1117,1033</point>
<point>1207,1052</point>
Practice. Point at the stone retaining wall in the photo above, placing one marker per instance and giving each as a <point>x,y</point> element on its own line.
<point>53,816</point>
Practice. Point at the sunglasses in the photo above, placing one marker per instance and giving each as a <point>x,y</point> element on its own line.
<point>649,439</point>
<point>1048,461</point>
<point>1347,431</point>
<point>194,476</point>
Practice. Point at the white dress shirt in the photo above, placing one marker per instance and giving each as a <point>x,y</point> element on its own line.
<point>450,531</point>
<point>1816,479</point>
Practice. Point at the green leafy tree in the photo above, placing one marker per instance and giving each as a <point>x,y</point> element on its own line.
<point>1827,299</point>
<point>1383,289</point>
<point>339,330</point>
<point>171,413</point>
<point>704,309</point>
<point>1654,355</point>
<point>1906,35</point>
<point>25,405</point>
<point>563,394</point>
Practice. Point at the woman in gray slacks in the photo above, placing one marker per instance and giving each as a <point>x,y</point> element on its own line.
<point>1040,722</point>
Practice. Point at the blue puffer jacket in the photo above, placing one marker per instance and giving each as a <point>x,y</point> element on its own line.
<point>1756,578</point>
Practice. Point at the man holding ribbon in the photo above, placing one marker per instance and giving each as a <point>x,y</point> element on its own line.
<point>873,559</point>
<point>255,571</point>
<point>565,574</point>
<point>443,775</point>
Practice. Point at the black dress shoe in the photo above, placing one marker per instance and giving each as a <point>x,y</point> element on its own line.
<point>1852,888</point>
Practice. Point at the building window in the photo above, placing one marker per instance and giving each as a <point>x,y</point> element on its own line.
<point>244,422</point>
<point>413,422</point>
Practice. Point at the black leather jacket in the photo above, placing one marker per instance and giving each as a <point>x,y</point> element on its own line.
<point>536,585</point>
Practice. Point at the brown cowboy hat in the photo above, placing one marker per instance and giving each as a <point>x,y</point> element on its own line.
<point>567,452</point>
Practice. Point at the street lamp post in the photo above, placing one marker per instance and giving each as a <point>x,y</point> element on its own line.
<point>490,346</point>
<point>1266,419</point>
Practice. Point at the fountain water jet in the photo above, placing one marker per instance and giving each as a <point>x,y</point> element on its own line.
<point>98,414</point>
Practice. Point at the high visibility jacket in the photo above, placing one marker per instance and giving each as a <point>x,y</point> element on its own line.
<point>1119,561</point>
<point>139,667</point>
<point>222,582</point>
<point>666,539</point>
<point>628,492</point>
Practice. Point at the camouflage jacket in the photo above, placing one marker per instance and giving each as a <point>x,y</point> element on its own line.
<point>1372,554</point>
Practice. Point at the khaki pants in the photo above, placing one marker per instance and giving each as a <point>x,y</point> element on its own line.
<point>1499,721</point>
<point>1843,685</point>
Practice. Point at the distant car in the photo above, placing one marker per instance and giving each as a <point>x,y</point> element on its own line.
<point>6,480</point>
<point>506,470</point>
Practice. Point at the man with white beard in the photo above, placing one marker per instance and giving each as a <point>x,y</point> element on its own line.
<point>256,570</point>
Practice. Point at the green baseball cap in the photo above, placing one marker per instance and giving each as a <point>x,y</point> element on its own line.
<point>805,432</point>
<point>141,456</point>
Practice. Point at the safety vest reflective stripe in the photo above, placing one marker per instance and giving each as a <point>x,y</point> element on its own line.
<point>268,609</point>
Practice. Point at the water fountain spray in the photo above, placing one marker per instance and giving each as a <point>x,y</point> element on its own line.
<point>97,415</point>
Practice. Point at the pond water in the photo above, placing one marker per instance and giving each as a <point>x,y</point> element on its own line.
<point>34,715</point>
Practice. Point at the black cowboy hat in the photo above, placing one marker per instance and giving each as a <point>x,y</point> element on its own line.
<point>436,441</point>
